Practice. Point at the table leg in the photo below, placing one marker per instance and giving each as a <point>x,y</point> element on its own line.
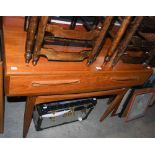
<point>111,99</point>
<point>28,114</point>
<point>1,100</point>
<point>112,106</point>
<point>115,110</point>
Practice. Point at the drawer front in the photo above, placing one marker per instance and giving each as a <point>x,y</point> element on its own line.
<point>73,83</point>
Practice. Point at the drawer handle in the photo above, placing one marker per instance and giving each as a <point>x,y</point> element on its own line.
<point>124,79</point>
<point>53,82</point>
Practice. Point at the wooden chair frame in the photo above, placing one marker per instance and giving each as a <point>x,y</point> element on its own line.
<point>58,32</point>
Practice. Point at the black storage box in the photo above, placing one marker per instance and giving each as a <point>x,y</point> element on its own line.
<point>57,113</point>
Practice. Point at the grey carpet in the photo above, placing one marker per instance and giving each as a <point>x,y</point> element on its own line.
<point>111,127</point>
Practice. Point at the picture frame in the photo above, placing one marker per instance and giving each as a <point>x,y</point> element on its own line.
<point>152,101</point>
<point>138,103</point>
<point>118,111</point>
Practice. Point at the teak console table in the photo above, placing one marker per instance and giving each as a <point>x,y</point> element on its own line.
<point>53,81</point>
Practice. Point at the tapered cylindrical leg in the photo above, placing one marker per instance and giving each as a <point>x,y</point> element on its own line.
<point>39,38</point>
<point>30,40</point>
<point>28,114</point>
<point>112,106</point>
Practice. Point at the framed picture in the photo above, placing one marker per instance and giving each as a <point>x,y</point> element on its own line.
<point>152,101</point>
<point>138,103</point>
<point>120,108</point>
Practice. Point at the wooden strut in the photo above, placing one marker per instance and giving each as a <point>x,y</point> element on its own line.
<point>59,32</point>
<point>99,40</point>
<point>51,54</point>
<point>48,40</point>
<point>121,49</point>
<point>32,28</point>
<point>39,38</point>
<point>113,106</point>
<point>117,38</point>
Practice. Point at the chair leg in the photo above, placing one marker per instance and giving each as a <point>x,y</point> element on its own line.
<point>112,106</point>
<point>117,39</point>
<point>99,41</point>
<point>115,110</point>
<point>111,99</point>
<point>31,37</point>
<point>127,38</point>
<point>39,38</point>
<point>1,100</point>
<point>28,114</point>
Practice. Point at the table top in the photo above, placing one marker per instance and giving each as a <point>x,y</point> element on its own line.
<point>14,47</point>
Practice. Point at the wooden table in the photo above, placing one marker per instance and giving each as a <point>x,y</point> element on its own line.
<point>53,81</point>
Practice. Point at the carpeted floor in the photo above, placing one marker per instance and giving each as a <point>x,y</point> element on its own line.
<point>111,127</point>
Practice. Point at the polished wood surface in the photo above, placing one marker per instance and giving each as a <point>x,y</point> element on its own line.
<point>15,38</point>
<point>68,83</point>
<point>51,98</point>
<point>16,68</point>
<point>52,81</point>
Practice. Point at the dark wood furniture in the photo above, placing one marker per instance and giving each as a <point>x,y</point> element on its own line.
<point>142,43</point>
<point>53,81</point>
<point>42,35</point>
<point>41,32</point>
<point>61,42</point>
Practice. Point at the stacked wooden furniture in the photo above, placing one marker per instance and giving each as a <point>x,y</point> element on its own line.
<point>42,36</point>
<point>71,74</point>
